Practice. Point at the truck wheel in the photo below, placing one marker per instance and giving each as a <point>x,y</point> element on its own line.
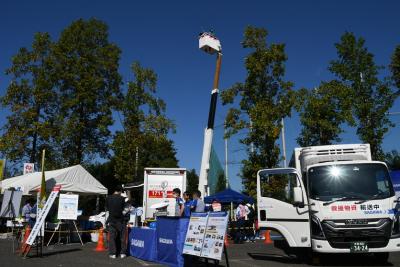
<point>382,257</point>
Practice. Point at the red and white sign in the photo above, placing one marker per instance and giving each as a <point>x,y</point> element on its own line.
<point>158,186</point>
<point>29,168</point>
<point>343,208</point>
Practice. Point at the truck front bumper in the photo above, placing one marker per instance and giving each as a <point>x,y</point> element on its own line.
<point>323,246</point>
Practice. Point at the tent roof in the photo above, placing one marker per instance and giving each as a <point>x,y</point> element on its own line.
<point>228,196</point>
<point>72,179</point>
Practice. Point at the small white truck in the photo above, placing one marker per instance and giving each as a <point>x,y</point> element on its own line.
<point>333,199</point>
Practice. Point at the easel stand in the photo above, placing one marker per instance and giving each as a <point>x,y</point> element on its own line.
<point>58,229</point>
<point>9,213</point>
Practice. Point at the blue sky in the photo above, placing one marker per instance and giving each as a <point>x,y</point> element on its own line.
<point>163,35</point>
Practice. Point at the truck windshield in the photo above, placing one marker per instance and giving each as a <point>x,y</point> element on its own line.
<point>349,181</point>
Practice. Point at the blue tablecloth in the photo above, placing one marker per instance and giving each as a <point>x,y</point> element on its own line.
<point>171,232</point>
<point>142,243</point>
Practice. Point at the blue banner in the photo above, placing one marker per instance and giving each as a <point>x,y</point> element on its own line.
<point>142,244</point>
<point>171,233</point>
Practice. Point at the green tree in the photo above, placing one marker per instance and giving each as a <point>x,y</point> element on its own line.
<point>395,67</point>
<point>32,100</point>
<point>145,129</point>
<point>192,181</point>
<point>323,111</point>
<point>89,86</point>
<point>264,99</point>
<point>372,98</point>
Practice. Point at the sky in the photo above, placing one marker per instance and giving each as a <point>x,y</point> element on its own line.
<point>162,35</point>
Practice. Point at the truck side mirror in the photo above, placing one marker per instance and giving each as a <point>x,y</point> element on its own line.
<point>298,196</point>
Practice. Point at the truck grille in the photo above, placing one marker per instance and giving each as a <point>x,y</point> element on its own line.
<point>341,233</point>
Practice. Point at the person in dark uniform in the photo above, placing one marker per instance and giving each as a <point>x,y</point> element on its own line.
<point>115,205</point>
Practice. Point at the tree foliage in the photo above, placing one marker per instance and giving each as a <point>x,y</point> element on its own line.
<point>192,181</point>
<point>145,129</point>
<point>31,98</point>
<point>264,98</point>
<point>322,113</point>
<point>395,67</point>
<point>371,97</point>
<point>89,86</point>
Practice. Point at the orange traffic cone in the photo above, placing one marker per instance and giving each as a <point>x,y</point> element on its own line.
<point>26,235</point>
<point>100,241</point>
<point>226,241</point>
<point>268,239</point>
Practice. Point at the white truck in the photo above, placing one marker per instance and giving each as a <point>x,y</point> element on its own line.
<point>333,199</point>
<point>157,189</point>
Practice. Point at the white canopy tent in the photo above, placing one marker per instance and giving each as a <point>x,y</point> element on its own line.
<point>73,179</point>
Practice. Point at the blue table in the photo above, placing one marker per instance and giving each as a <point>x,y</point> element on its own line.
<point>142,243</point>
<point>171,232</point>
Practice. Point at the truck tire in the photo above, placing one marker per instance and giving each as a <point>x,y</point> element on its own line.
<point>382,257</point>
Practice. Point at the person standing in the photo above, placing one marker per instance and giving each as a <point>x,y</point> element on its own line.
<point>187,205</point>
<point>241,213</point>
<point>251,217</point>
<point>27,211</point>
<point>198,204</point>
<point>115,205</point>
<point>179,205</point>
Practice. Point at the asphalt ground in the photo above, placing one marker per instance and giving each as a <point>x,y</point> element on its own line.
<point>247,254</point>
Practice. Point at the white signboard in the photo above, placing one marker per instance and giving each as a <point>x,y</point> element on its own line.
<point>195,234</point>
<point>68,207</point>
<point>213,244</point>
<point>158,186</point>
<point>42,216</point>
<point>29,168</point>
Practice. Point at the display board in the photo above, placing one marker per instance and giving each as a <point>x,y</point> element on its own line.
<point>195,234</point>
<point>208,243</point>
<point>158,186</point>
<point>68,207</point>
<point>11,204</point>
<point>213,245</point>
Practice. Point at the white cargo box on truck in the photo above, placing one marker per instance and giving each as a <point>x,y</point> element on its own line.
<point>304,157</point>
<point>158,186</point>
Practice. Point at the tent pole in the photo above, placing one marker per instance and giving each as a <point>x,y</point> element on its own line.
<point>232,214</point>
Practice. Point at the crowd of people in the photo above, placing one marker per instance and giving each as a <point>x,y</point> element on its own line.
<point>185,204</point>
<point>190,202</point>
<point>244,224</point>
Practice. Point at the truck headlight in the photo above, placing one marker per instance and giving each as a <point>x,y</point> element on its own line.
<point>396,226</point>
<point>316,228</point>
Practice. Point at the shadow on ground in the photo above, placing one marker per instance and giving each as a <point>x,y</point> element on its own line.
<point>322,260</point>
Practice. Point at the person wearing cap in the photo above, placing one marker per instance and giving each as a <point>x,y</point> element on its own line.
<point>115,205</point>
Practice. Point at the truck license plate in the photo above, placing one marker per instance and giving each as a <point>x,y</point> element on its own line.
<point>358,247</point>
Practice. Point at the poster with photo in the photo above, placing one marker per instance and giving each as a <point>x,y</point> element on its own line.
<point>195,234</point>
<point>68,207</point>
<point>213,244</point>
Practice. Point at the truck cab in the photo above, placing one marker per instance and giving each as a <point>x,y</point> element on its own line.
<point>334,199</point>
